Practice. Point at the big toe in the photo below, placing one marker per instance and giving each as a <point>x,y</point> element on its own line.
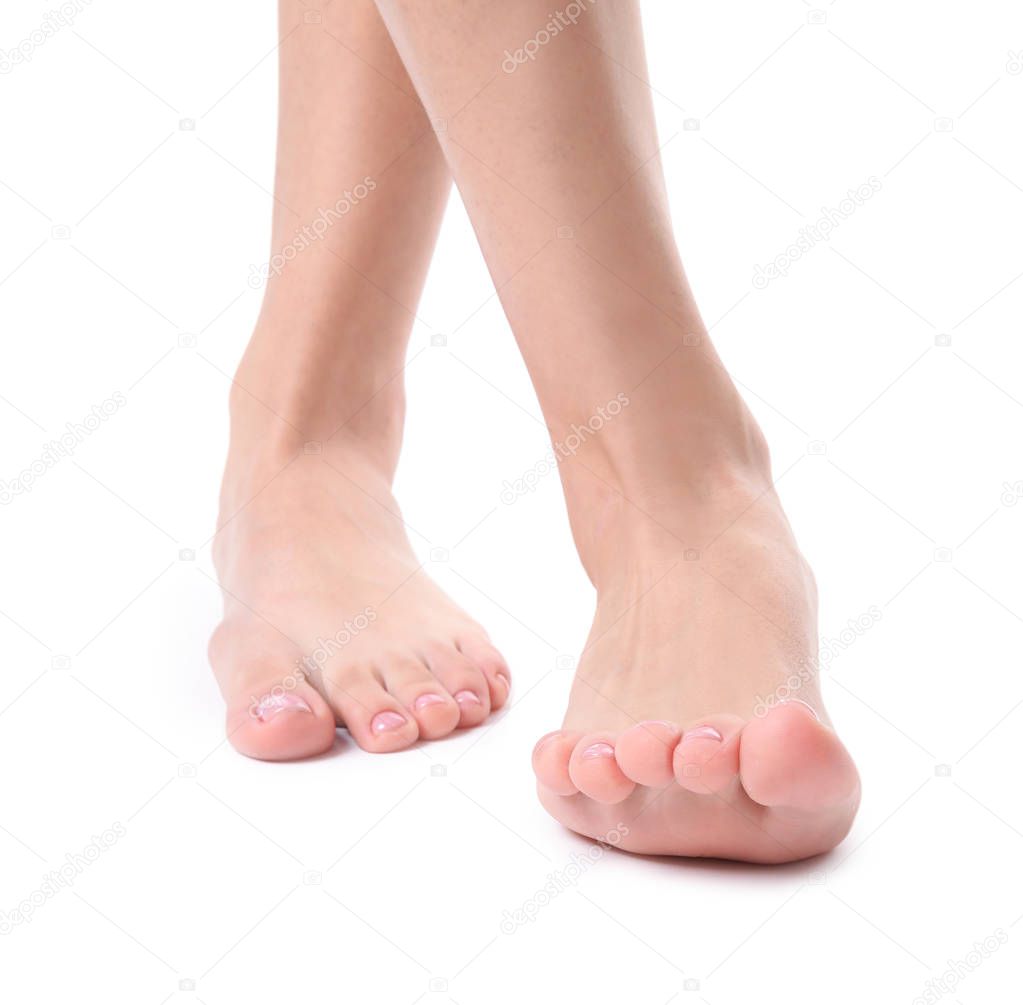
<point>789,758</point>
<point>280,725</point>
<point>271,715</point>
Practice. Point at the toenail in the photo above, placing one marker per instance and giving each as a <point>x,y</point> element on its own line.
<point>425,700</point>
<point>503,678</point>
<point>701,733</point>
<point>468,698</point>
<point>598,750</point>
<point>659,722</point>
<point>271,704</point>
<point>386,721</point>
<point>806,705</point>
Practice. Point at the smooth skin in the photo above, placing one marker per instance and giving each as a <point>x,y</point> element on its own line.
<point>706,610</point>
<point>329,618</point>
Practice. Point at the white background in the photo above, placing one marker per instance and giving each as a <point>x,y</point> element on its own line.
<point>362,878</point>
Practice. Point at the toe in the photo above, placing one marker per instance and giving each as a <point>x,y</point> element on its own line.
<point>789,758</point>
<point>280,723</point>
<point>273,714</point>
<point>373,716</point>
<point>707,757</point>
<point>550,762</point>
<point>595,772</point>
<point>418,690</point>
<point>491,664</point>
<point>644,752</point>
<point>436,712</point>
<point>463,681</point>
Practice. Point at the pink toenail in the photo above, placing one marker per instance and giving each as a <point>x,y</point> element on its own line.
<point>468,698</point>
<point>598,750</point>
<point>702,733</point>
<point>425,700</point>
<point>806,705</point>
<point>386,721</point>
<point>271,704</point>
<point>503,678</point>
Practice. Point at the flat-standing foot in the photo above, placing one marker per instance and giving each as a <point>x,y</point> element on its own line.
<point>330,619</point>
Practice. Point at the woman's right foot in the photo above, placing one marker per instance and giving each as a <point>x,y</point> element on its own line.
<point>695,726</point>
<point>329,618</point>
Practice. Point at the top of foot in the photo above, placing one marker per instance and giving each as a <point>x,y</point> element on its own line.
<point>678,738</point>
<point>330,620</point>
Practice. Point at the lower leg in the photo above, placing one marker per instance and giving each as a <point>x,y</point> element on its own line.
<point>704,602</point>
<point>327,615</point>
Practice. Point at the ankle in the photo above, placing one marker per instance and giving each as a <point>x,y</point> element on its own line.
<point>310,388</point>
<point>670,511</point>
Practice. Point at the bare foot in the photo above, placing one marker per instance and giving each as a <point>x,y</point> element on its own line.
<point>677,736</point>
<point>329,618</point>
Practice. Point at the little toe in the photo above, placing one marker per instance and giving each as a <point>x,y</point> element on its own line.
<point>463,681</point>
<point>550,762</point>
<point>789,758</point>
<point>644,752</point>
<point>418,690</point>
<point>371,714</point>
<point>491,664</point>
<point>707,757</point>
<point>595,772</point>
